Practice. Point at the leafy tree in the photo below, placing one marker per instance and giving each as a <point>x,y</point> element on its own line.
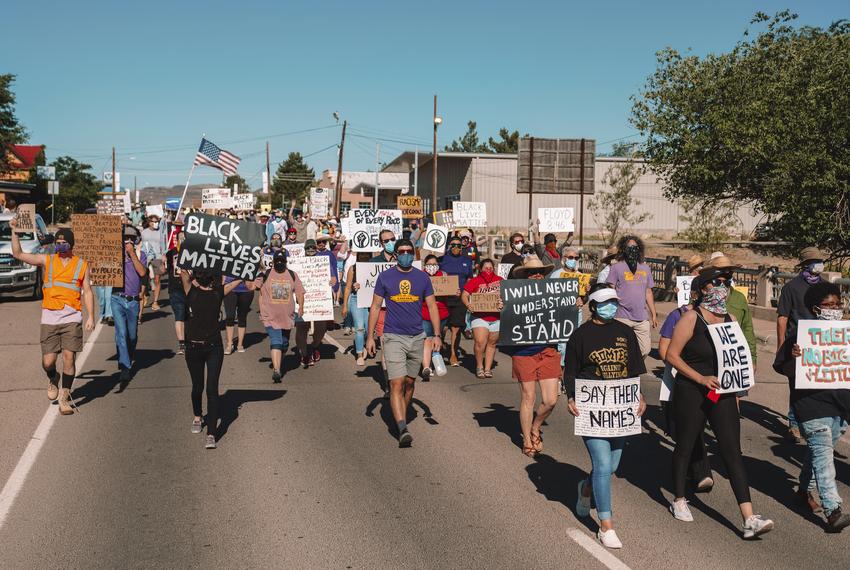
<point>11,131</point>
<point>764,125</point>
<point>509,143</point>
<point>614,211</point>
<point>468,142</point>
<point>623,150</point>
<point>78,189</point>
<point>708,224</point>
<point>236,179</point>
<point>291,180</point>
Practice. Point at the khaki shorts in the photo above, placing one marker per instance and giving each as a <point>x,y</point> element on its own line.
<point>643,332</point>
<point>403,354</point>
<point>56,338</point>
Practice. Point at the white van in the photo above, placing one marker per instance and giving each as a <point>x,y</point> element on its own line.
<point>16,275</point>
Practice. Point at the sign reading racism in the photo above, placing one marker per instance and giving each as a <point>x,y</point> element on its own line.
<point>555,220</point>
<point>367,273</point>
<point>683,284</point>
<point>470,214</point>
<point>216,199</point>
<point>230,247</point>
<point>445,285</point>
<point>435,239</point>
<point>607,408</point>
<point>734,361</point>
<point>410,206</point>
<point>25,219</point>
<point>366,225</point>
<point>318,203</point>
<point>825,362</point>
<point>98,240</point>
<point>315,274</point>
<point>445,218</point>
<point>538,311</point>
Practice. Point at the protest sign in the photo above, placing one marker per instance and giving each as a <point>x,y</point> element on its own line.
<point>410,206</point>
<point>366,273</point>
<point>127,205</point>
<point>504,269</point>
<point>315,274</point>
<point>216,199</point>
<point>607,408</point>
<point>683,283</point>
<point>110,206</point>
<point>470,214</point>
<point>294,250</point>
<point>435,239</point>
<point>230,247</point>
<point>825,362</point>
<point>484,302</point>
<point>366,226</point>
<point>26,219</point>
<point>318,203</point>
<point>445,285</point>
<point>243,202</point>
<point>155,210</point>
<point>734,361</point>
<point>743,290</point>
<point>555,220</point>
<point>98,240</point>
<point>445,218</point>
<point>538,311</point>
<point>345,227</point>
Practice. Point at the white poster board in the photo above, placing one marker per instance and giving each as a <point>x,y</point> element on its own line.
<point>825,362</point>
<point>556,220</point>
<point>366,273</point>
<point>318,203</point>
<point>155,210</point>
<point>435,239</point>
<point>366,224</point>
<point>470,214</point>
<point>315,274</point>
<point>216,199</point>
<point>504,269</point>
<point>683,283</point>
<point>128,206</point>
<point>734,362</point>
<point>607,408</point>
<point>243,202</point>
<point>294,250</point>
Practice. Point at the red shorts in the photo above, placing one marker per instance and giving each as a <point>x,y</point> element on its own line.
<point>540,366</point>
<point>379,328</point>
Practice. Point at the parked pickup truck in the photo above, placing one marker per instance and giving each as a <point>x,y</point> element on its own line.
<point>16,275</point>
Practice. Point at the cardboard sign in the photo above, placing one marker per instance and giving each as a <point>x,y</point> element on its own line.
<point>366,273</point>
<point>608,408</point>
<point>445,218</point>
<point>484,302</point>
<point>229,247</point>
<point>154,211</point>
<point>435,239</point>
<point>243,202</point>
<point>445,285</point>
<point>825,362</point>
<point>110,206</point>
<point>410,206</point>
<point>734,362</point>
<point>216,199</point>
<point>366,225</point>
<point>504,269</point>
<point>555,220</point>
<point>318,203</point>
<point>26,219</point>
<point>470,214</point>
<point>315,274</point>
<point>98,240</point>
<point>683,283</point>
<point>538,311</point>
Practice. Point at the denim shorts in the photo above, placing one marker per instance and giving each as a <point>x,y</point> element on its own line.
<point>278,338</point>
<point>428,328</point>
<point>491,326</point>
<point>178,305</point>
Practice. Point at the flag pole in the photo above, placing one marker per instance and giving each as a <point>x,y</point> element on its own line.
<point>183,197</point>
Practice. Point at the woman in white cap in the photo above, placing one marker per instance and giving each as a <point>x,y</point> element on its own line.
<point>602,349</point>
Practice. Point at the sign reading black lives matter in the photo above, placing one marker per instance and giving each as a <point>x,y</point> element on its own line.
<point>365,226</point>
<point>607,408</point>
<point>230,247</point>
<point>538,311</point>
<point>734,361</point>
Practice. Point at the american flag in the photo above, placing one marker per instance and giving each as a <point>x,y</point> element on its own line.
<point>211,155</point>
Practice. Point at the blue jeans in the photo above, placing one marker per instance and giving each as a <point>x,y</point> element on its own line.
<point>605,455</point>
<point>104,301</point>
<point>126,314</point>
<point>360,318</point>
<point>278,338</point>
<point>818,471</point>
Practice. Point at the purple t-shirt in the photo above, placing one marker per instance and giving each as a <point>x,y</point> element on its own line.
<point>670,322</point>
<point>132,280</point>
<point>631,288</point>
<point>404,293</point>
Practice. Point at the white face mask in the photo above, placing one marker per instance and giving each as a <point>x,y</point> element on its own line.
<point>431,269</point>
<point>816,268</point>
<point>830,314</point>
<point>518,245</point>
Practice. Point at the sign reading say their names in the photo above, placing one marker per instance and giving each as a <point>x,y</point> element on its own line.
<point>538,311</point>
<point>98,240</point>
<point>366,226</point>
<point>445,285</point>
<point>470,214</point>
<point>683,284</point>
<point>435,239</point>
<point>229,247</point>
<point>734,361</point>
<point>216,199</point>
<point>607,408</point>
<point>366,273</point>
<point>25,219</point>
<point>315,274</point>
<point>825,362</point>
<point>410,206</point>
<point>556,220</point>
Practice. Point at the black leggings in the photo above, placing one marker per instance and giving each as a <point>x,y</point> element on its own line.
<point>691,408</point>
<point>237,303</point>
<point>197,357</point>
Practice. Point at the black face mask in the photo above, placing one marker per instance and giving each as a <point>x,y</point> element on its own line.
<point>632,256</point>
<point>204,280</point>
<point>280,266</point>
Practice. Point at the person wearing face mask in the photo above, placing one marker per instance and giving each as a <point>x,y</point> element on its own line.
<point>276,224</point>
<point>416,234</point>
<point>455,263</point>
<point>388,242</point>
<point>822,415</point>
<point>153,244</point>
<point>66,290</point>
<point>323,248</point>
<point>359,315</point>
<point>126,302</point>
<point>791,308</point>
<point>485,326</point>
<point>567,268</point>
<point>275,244</point>
<point>291,236</point>
<point>514,257</point>
<point>632,279</point>
<point>432,268</point>
<point>602,349</point>
<point>695,400</point>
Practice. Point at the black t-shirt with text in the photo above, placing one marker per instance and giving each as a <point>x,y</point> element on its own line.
<point>606,351</point>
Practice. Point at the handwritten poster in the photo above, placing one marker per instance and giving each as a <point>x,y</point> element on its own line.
<point>470,214</point>
<point>538,311</point>
<point>25,219</point>
<point>435,239</point>
<point>825,362</point>
<point>410,206</point>
<point>243,202</point>
<point>484,302</point>
<point>366,224</point>
<point>99,241</point>
<point>555,220</point>
<point>230,247</point>
<point>110,206</point>
<point>504,269</point>
<point>318,203</point>
<point>367,273</point>
<point>216,199</point>
<point>734,362</point>
<point>154,210</point>
<point>608,408</point>
<point>445,218</point>
<point>445,285</point>
<point>294,250</point>
<point>683,283</point>
<point>315,274</point>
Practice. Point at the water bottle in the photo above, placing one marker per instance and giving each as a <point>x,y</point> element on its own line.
<point>439,364</point>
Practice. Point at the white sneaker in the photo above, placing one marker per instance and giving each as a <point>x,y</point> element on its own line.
<point>681,511</point>
<point>583,503</point>
<point>756,526</point>
<point>609,538</point>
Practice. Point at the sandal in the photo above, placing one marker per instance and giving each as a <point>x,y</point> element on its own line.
<point>537,441</point>
<point>155,306</point>
<point>488,374</point>
<point>529,451</point>
<point>480,373</point>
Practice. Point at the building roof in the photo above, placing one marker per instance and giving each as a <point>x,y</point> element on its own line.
<point>351,179</point>
<point>26,154</point>
<point>406,160</point>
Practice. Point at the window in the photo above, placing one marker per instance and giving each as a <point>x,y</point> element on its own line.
<point>345,207</point>
<point>450,199</point>
<point>364,204</point>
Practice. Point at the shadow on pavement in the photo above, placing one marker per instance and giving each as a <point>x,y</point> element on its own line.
<point>504,418</point>
<point>763,416</point>
<point>97,386</point>
<point>387,413</point>
<point>558,482</point>
<point>231,402</point>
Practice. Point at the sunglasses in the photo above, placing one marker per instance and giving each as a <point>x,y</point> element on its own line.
<point>720,281</point>
<point>403,251</point>
<point>537,272</point>
<point>520,242</point>
<point>455,245</point>
<point>387,240</point>
<point>570,257</point>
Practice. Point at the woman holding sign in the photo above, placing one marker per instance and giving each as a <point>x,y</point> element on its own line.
<point>485,324</point>
<point>604,349</point>
<point>695,399</point>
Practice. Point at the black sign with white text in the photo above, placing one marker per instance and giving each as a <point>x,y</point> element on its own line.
<point>538,311</point>
<point>229,247</point>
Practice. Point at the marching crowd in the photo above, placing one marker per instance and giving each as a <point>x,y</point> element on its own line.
<point>417,331</point>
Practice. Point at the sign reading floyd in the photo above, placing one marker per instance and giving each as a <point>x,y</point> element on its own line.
<point>230,247</point>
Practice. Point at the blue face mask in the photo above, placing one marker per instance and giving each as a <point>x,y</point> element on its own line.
<point>405,260</point>
<point>570,263</point>
<point>62,247</point>
<point>606,311</point>
<point>389,247</point>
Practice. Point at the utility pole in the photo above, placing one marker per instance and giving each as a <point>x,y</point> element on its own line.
<point>338,189</point>
<point>114,190</point>
<point>268,172</point>
<point>434,163</point>
<point>581,198</point>
<point>416,172</point>
<point>530,183</point>
<point>377,171</point>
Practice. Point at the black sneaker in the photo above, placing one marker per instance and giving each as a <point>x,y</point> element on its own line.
<point>426,374</point>
<point>305,362</point>
<point>181,347</point>
<point>276,376</point>
<point>836,521</point>
<point>405,439</point>
<point>125,375</point>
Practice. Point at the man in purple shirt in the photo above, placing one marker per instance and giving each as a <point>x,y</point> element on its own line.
<point>125,302</point>
<point>632,279</point>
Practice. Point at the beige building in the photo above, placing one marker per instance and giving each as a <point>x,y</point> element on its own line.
<point>358,188</point>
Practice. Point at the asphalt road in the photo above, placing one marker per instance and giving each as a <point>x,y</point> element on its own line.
<point>307,474</point>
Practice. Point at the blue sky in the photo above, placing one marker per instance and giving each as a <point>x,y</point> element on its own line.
<point>151,77</point>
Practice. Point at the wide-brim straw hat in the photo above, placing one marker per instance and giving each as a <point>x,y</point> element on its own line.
<point>722,262</point>
<point>695,261</point>
<point>812,254</point>
<point>529,263</point>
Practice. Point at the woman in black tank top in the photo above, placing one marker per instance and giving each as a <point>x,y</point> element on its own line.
<point>692,354</point>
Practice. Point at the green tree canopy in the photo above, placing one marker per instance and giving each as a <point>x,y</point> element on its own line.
<point>78,189</point>
<point>291,180</point>
<point>11,131</point>
<point>468,142</point>
<point>509,143</point>
<point>765,125</point>
<point>236,179</point>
